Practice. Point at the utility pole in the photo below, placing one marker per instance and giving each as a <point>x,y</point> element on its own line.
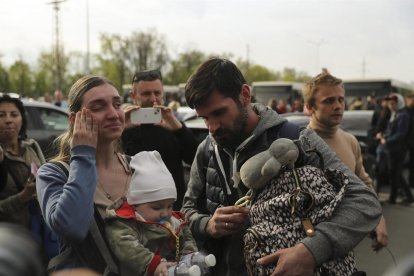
<point>247,56</point>
<point>88,66</point>
<point>58,55</point>
<point>318,45</point>
<point>363,67</point>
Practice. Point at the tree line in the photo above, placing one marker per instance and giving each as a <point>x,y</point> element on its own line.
<point>119,58</point>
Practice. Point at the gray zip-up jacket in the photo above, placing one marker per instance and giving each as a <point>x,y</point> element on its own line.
<point>212,187</point>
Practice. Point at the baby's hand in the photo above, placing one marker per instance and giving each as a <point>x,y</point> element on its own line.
<point>162,268</point>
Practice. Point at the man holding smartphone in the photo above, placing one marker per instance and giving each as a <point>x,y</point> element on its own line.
<point>171,138</point>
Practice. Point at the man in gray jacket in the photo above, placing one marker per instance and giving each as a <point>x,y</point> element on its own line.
<point>238,131</point>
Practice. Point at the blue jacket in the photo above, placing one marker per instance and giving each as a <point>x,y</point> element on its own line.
<point>397,132</point>
<point>67,204</point>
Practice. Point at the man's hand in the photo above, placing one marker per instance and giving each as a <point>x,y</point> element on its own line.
<point>380,236</point>
<point>128,111</point>
<point>379,135</point>
<point>297,260</point>
<point>169,121</point>
<point>227,220</point>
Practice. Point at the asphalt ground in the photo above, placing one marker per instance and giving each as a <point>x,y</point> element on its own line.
<point>400,224</point>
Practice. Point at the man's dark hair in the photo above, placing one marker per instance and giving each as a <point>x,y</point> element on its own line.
<point>149,75</point>
<point>215,74</point>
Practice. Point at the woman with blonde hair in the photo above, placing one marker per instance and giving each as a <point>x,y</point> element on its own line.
<point>97,173</point>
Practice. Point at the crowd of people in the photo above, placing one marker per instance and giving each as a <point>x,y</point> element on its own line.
<point>392,132</point>
<point>115,198</point>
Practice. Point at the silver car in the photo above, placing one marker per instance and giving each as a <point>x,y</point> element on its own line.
<point>45,122</point>
<point>356,122</point>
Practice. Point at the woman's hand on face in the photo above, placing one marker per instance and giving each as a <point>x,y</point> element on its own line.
<point>85,130</point>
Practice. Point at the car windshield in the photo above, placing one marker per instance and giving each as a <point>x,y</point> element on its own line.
<point>53,119</point>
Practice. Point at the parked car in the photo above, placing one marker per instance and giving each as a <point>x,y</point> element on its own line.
<point>357,122</point>
<point>45,122</point>
<point>185,113</point>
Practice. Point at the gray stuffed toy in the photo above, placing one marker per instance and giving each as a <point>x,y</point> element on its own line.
<point>285,203</point>
<point>259,169</point>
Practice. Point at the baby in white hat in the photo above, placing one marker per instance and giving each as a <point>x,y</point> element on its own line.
<point>152,190</point>
<point>142,229</point>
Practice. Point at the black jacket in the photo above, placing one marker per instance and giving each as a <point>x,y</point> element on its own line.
<point>174,147</point>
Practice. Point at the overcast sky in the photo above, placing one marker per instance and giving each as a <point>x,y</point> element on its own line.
<point>341,35</point>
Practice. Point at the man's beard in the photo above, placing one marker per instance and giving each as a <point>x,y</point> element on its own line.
<point>233,137</point>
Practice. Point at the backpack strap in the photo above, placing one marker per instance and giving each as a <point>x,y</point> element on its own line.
<point>292,131</point>
<point>284,130</point>
<point>61,258</point>
<point>206,151</point>
<point>96,230</point>
<point>63,166</point>
<point>3,175</point>
<point>38,150</point>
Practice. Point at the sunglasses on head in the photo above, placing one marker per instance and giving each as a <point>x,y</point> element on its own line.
<point>149,75</point>
<point>11,95</point>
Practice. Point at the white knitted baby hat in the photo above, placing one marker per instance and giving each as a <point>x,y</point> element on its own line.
<point>151,180</point>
